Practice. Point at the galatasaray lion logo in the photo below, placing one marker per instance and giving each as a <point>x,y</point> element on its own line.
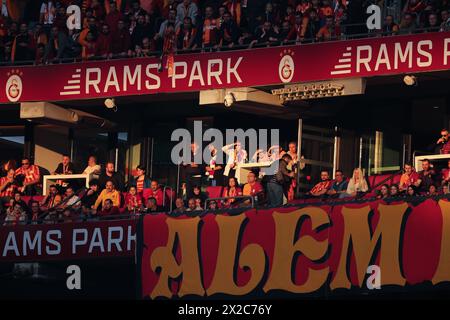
<point>287,67</point>
<point>13,87</point>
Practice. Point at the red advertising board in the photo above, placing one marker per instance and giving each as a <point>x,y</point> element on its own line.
<point>296,250</point>
<point>244,68</point>
<point>67,241</point>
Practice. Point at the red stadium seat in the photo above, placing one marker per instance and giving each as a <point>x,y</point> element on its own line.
<point>214,192</point>
<point>146,194</point>
<point>396,179</point>
<point>371,181</point>
<point>379,178</point>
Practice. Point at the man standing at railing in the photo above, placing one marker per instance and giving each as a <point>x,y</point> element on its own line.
<point>278,181</point>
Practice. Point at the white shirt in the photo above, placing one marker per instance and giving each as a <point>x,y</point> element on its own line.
<point>240,158</point>
<point>48,11</point>
<point>91,170</point>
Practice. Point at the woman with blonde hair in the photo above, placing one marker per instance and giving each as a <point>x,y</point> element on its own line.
<point>357,184</point>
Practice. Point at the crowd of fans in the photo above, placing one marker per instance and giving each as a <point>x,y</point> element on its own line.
<point>109,195</point>
<point>133,28</point>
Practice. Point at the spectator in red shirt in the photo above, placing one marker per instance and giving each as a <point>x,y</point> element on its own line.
<point>113,17</point>
<point>133,200</point>
<point>29,176</point>
<point>108,209</point>
<point>232,190</point>
<point>321,188</point>
<point>446,174</point>
<point>121,41</point>
<point>330,31</point>
<point>409,177</point>
<point>157,193</point>
<point>7,188</point>
<point>104,42</point>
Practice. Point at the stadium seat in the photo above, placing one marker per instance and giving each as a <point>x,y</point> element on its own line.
<point>214,192</point>
<point>146,194</point>
<point>379,179</point>
<point>396,179</point>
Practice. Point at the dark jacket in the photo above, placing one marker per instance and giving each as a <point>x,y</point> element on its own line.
<point>60,168</point>
<point>116,178</point>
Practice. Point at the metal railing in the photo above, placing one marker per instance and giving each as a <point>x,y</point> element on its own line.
<point>222,199</point>
<point>239,210</point>
<point>155,54</point>
<point>171,196</point>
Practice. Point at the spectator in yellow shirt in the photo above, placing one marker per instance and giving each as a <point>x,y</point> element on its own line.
<point>108,193</point>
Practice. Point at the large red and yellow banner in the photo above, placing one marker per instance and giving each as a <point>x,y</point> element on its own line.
<point>297,251</point>
<point>369,57</point>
